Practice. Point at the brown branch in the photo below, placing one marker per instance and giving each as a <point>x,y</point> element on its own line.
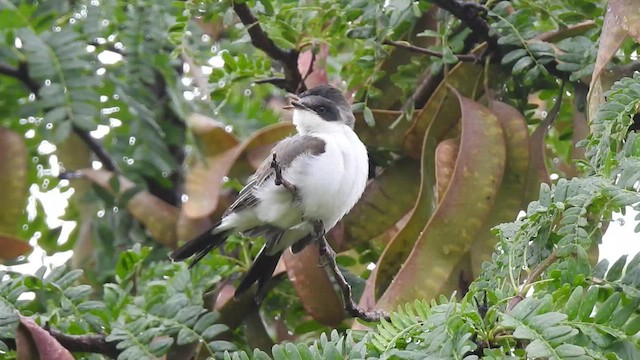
<point>353,309</point>
<point>311,63</point>
<point>262,41</point>
<point>472,15</point>
<point>407,46</point>
<point>96,344</point>
<point>533,276</point>
<point>97,149</point>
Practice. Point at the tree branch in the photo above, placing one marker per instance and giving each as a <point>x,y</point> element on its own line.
<point>407,46</point>
<point>472,15</point>
<point>22,73</point>
<point>97,344</point>
<point>97,149</point>
<point>260,39</point>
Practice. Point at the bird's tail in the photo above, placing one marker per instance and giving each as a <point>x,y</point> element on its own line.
<point>201,245</point>
<point>261,271</point>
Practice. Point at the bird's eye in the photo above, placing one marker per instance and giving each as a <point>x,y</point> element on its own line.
<point>321,110</point>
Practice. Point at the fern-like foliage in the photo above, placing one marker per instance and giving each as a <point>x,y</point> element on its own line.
<point>145,320</point>
<point>609,128</point>
<point>59,61</point>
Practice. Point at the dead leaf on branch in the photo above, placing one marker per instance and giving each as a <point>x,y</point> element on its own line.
<point>450,231</point>
<point>34,342</point>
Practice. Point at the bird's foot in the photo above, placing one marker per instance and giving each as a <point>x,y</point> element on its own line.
<point>328,256</point>
<point>279,180</point>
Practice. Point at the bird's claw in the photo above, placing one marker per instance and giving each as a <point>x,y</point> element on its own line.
<point>279,180</point>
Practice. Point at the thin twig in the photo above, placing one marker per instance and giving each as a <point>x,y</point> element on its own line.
<point>311,63</point>
<point>260,39</point>
<point>533,276</point>
<point>418,49</point>
<point>93,343</point>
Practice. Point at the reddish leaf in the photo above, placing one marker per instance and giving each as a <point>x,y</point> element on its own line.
<point>11,247</point>
<point>450,231</point>
<point>314,286</point>
<point>622,17</point>
<point>33,342</point>
<point>313,67</point>
<point>626,14</point>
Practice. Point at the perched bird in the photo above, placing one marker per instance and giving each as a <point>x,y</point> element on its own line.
<point>310,181</point>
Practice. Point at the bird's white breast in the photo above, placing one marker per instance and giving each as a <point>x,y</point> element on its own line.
<point>332,182</point>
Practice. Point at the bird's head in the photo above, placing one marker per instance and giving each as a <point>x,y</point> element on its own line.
<point>320,108</point>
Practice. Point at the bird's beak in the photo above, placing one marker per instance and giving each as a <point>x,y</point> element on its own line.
<point>292,98</point>
<point>300,106</point>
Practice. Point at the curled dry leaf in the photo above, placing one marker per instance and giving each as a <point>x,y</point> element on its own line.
<point>621,19</point>
<point>446,155</point>
<point>204,179</point>
<point>467,78</point>
<point>314,286</point>
<point>34,342</point>
<point>13,180</point>
<point>157,216</point>
<point>470,77</point>
<point>450,231</point>
<point>510,198</point>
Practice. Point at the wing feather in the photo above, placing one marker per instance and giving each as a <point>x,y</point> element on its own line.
<point>286,151</point>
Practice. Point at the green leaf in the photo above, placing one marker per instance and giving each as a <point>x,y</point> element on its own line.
<point>522,64</point>
<point>368,116</point>
<point>607,308</point>
<point>615,272</point>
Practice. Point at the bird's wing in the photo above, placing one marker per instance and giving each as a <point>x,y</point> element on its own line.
<point>286,152</point>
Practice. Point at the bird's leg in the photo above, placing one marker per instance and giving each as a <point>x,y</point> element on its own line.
<point>326,252</point>
<point>328,256</point>
<point>279,180</point>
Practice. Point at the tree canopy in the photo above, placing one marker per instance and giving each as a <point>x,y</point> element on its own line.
<point>501,136</point>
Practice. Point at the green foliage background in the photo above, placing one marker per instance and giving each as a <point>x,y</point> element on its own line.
<point>136,72</point>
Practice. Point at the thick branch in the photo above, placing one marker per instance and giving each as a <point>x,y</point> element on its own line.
<point>472,15</point>
<point>97,149</point>
<point>96,344</point>
<point>260,39</point>
<point>21,73</point>
<point>407,46</point>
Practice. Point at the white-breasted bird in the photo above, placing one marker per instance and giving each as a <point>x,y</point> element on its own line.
<point>323,171</point>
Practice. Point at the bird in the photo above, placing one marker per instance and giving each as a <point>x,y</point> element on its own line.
<point>307,184</point>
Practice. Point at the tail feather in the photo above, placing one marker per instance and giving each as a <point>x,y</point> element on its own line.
<point>261,271</point>
<point>200,245</point>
